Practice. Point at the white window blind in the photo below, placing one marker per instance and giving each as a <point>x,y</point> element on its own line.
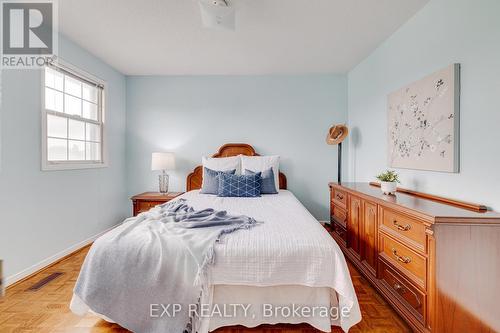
<point>72,118</point>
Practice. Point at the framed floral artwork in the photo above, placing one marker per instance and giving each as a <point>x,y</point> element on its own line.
<point>423,123</point>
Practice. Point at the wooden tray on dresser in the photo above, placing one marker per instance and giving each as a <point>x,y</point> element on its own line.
<point>435,260</point>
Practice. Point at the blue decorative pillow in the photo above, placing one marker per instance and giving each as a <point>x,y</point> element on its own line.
<point>239,185</point>
<point>268,185</point>
<point>211,180</point>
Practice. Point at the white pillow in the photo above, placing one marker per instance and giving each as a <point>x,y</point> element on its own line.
<point>262,163</point>
<point>221,164</point>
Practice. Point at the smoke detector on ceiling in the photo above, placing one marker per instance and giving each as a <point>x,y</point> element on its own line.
<point>217,14</point>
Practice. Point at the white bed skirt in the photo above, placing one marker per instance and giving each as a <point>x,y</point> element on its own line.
<point>278,300</point>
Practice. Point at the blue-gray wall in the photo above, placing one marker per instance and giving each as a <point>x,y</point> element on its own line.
<point>45,212</point>
<point>192,116</point>
<point>443,32</point>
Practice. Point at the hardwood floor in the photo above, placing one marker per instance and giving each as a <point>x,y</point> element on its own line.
<point>46,309</point>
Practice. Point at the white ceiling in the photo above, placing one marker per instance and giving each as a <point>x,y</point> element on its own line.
<point>165,37</point>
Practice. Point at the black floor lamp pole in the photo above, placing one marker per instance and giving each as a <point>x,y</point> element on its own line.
<point>339,159</point>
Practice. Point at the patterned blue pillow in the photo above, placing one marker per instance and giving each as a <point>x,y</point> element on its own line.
<point>239,185</point>
<point>268,186</point>
<point>211,180</point>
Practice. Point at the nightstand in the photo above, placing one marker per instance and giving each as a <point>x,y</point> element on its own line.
<point>147,200</point>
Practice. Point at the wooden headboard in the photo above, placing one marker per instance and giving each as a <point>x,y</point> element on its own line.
<point>195,178</point>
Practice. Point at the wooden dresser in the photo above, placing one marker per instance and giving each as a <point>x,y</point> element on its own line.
<point>435,262</point>
<point>147,200</point>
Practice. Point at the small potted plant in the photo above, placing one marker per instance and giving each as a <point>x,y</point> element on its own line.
<point>388,181</point>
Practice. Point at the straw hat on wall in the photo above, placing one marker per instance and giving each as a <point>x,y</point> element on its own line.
<point>336,134</point>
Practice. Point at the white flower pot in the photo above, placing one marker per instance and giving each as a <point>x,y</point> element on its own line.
<point>388,187</point>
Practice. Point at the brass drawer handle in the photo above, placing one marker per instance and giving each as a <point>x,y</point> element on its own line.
<point>399,288</point>
<point>404,260</point>
<point>402,290</point>
<point>401,227</point>
<point>340,196</point>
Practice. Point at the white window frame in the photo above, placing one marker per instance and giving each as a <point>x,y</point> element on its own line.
<point>73,165</point>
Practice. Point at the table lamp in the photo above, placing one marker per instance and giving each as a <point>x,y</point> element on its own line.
<point>163,162</point>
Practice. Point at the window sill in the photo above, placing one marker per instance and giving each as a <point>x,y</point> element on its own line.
<point>72,166</point>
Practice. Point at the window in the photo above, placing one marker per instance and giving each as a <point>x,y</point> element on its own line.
<point>72,119</point>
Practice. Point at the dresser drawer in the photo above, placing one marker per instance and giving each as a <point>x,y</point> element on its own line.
<point>409,231</point>
<point>144,206</point>
<point>339,215</point>
<point>406,292</point>
<point>340,232</point>
<point>407,261</point>
<point>340,197</point>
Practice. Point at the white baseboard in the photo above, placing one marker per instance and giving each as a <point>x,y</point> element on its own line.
<point>47,262</point>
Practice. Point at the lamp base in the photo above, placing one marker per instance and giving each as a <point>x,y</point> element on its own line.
<point>163,182</point>
<point>339,161</point>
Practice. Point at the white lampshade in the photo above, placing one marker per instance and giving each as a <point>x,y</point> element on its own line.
<point>162,161</point>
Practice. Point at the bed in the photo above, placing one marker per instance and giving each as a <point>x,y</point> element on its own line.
<point>289,262</point>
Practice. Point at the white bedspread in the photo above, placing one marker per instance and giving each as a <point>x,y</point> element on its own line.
<point>289,248</point>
